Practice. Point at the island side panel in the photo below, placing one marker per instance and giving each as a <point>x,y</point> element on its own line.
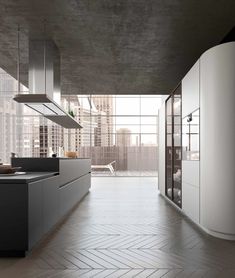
<point>13,217</point>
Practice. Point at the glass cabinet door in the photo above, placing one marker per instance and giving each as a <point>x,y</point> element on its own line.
<point>169,148</point>
<point>174,147</point>
<point>177,146</point>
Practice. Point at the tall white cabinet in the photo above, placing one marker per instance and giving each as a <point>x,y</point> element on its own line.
<point>208,180</point>
<point>190,167</point>
<point>217,164</point>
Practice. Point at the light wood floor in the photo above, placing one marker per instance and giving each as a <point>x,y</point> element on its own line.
<point>132,173</point>
<point>123,228</point>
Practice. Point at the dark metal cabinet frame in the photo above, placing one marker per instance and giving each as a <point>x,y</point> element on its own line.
<point>173,164</point>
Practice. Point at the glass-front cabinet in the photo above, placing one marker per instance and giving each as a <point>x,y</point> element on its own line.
<point>169,170</point>
<point>174,147</point>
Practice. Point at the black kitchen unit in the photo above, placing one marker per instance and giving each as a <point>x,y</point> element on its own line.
<point>33,203</point>
<point>173,150</point>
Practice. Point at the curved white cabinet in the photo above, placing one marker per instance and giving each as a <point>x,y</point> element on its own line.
<point>208,185</point>
<point>217,138</point>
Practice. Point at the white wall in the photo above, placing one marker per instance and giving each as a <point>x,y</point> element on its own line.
<point>217,169</point>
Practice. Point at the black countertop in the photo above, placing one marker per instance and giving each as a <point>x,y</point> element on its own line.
<point>40,164</point>
<point>26,178</point>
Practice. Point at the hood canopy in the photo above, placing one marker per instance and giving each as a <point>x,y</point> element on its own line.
<point>44,83</point>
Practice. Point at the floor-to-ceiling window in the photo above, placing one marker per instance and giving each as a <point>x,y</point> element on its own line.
<point>119,133</point>
<point>23,131</point>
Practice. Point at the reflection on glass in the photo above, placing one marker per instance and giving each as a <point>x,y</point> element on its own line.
<point>177,147</point>
<point>190,133</point>
<point>173,147</point>
<point>169,169</point>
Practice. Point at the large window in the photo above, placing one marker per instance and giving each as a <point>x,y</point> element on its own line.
<point>23,131</point>
<point>119,132</point>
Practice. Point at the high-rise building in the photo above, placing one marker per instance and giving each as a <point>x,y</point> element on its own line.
<point>104,130</point>
<point>82,108</point>
<point>123,136</point>
<point>8,113</point>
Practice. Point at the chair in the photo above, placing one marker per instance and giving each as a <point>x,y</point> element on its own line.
<point>107,166</point>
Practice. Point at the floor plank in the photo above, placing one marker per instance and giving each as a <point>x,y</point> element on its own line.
<point>123,228</point>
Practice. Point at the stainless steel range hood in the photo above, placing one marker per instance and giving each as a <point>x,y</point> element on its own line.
<point>44,105</point>
<point>44,84</point>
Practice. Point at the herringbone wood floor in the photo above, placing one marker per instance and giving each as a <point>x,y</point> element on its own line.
<point>123,228</point>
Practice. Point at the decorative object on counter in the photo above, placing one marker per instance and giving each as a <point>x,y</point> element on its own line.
<point>61,152</point>
<point>50,152</point>
<point>14,155</point>
<point>8,169</point>
<point>71,154</point>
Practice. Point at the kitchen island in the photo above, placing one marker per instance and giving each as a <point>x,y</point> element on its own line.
<point>31,204</point>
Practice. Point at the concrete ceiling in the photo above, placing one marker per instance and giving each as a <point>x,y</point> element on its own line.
<point>116,46</point>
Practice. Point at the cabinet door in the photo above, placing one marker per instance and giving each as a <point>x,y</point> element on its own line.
<point>174,147</point>
<point>71,193</point>
<point>191,201</point>
<point>67,195</point>
<point>50,203</point>
<point>169,148</point>
<point>177,147</point>
<point>35,212</point>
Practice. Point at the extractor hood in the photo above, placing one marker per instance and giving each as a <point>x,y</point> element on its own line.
<point>44,105</point>
<point>44,84</point>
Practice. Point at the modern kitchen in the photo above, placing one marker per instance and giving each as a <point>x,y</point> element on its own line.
<point>37,197</point>
<point>117,139</point>
<point>37,192</point>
